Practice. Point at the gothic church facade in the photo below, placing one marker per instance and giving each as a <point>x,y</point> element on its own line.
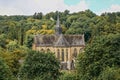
<point>65,47</point>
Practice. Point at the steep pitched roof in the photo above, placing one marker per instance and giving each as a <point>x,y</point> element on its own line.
<point>75,40</point>
<point>45,40</point>
<point>61,41</point>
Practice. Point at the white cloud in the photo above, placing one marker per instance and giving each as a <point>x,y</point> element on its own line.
<point>113,8</point>
<point>29,7</point>
<point>79,7</point>
<point>10,11</point>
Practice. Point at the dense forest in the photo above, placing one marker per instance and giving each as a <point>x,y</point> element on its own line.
<point>100,60</point>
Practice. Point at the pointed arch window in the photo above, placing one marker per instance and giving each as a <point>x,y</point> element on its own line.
<point>62,54</point>
<point>48,50</point>
<point>58,54</point>
<point>42,50</point>
<point>66,54</point>
<point>75,53</point>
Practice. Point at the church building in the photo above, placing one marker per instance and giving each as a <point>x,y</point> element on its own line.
<point>65,47</point>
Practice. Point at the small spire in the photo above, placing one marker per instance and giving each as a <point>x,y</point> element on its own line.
<point>58,20</point>
<point>58,28</point>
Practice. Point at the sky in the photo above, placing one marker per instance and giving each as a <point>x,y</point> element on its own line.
<point>29,7</point>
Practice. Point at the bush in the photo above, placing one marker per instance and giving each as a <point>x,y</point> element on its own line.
<point>68,76</point>
<point>110,74</point>
<point>102,52</point>
<point>40,65</point>
<point>5,73</point>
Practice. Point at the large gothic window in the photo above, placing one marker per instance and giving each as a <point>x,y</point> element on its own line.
<point>58,54</point>
<point>75,53</point>
<point>66,54</point>
<point>62,54</point>
<point>42,50</point>
<point>48,50</point>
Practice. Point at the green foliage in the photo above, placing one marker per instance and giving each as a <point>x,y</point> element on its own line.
<point>5,73</point>
<point>110,74</point>
<point>68,76</point>
<point>84,22</point>
<point>29,41</point>
<point>12,45</point>
<point>103,51</point>
<point>40,65</point>
<point>16,31</point>
<point>12,58</point>
<point>38,15</point>
<point>3,41</point>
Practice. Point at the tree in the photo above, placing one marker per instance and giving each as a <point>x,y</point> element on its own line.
<point>38,15</point>
<point>13,57</point>
<point>5,73</point>
<point>110,74</point>
<point>29,41</point>
<point>35,15</point>
<point>40,65</point>
<point>102,52</point>
<point>12,45</point>
<point>66,12</point>
<point>3,41</point>
<point>68,76</point>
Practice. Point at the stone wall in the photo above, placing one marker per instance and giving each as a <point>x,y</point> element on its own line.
<point>66,55</point>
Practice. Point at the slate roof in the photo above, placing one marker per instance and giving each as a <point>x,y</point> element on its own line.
<point>59,41</point>
<point>62,41</point>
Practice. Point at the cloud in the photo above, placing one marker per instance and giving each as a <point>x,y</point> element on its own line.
<point>113,8</point>
<point>79,7</point>
<point>10,11</point>
<point>29,7</point>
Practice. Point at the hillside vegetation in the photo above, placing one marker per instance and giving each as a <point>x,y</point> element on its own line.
<point>101,58</point>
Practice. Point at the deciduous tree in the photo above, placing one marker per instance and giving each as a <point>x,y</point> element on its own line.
<point>40,65</point>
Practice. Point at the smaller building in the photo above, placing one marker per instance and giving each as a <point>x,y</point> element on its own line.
<point>65,47</point>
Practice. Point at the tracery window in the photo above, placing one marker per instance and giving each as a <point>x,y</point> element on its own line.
<point>48,50</point>
<point>42,50</point>
<point>58,54</point>
<point>75,53</point>
<point>66,54</point>
<point>62,54</point>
